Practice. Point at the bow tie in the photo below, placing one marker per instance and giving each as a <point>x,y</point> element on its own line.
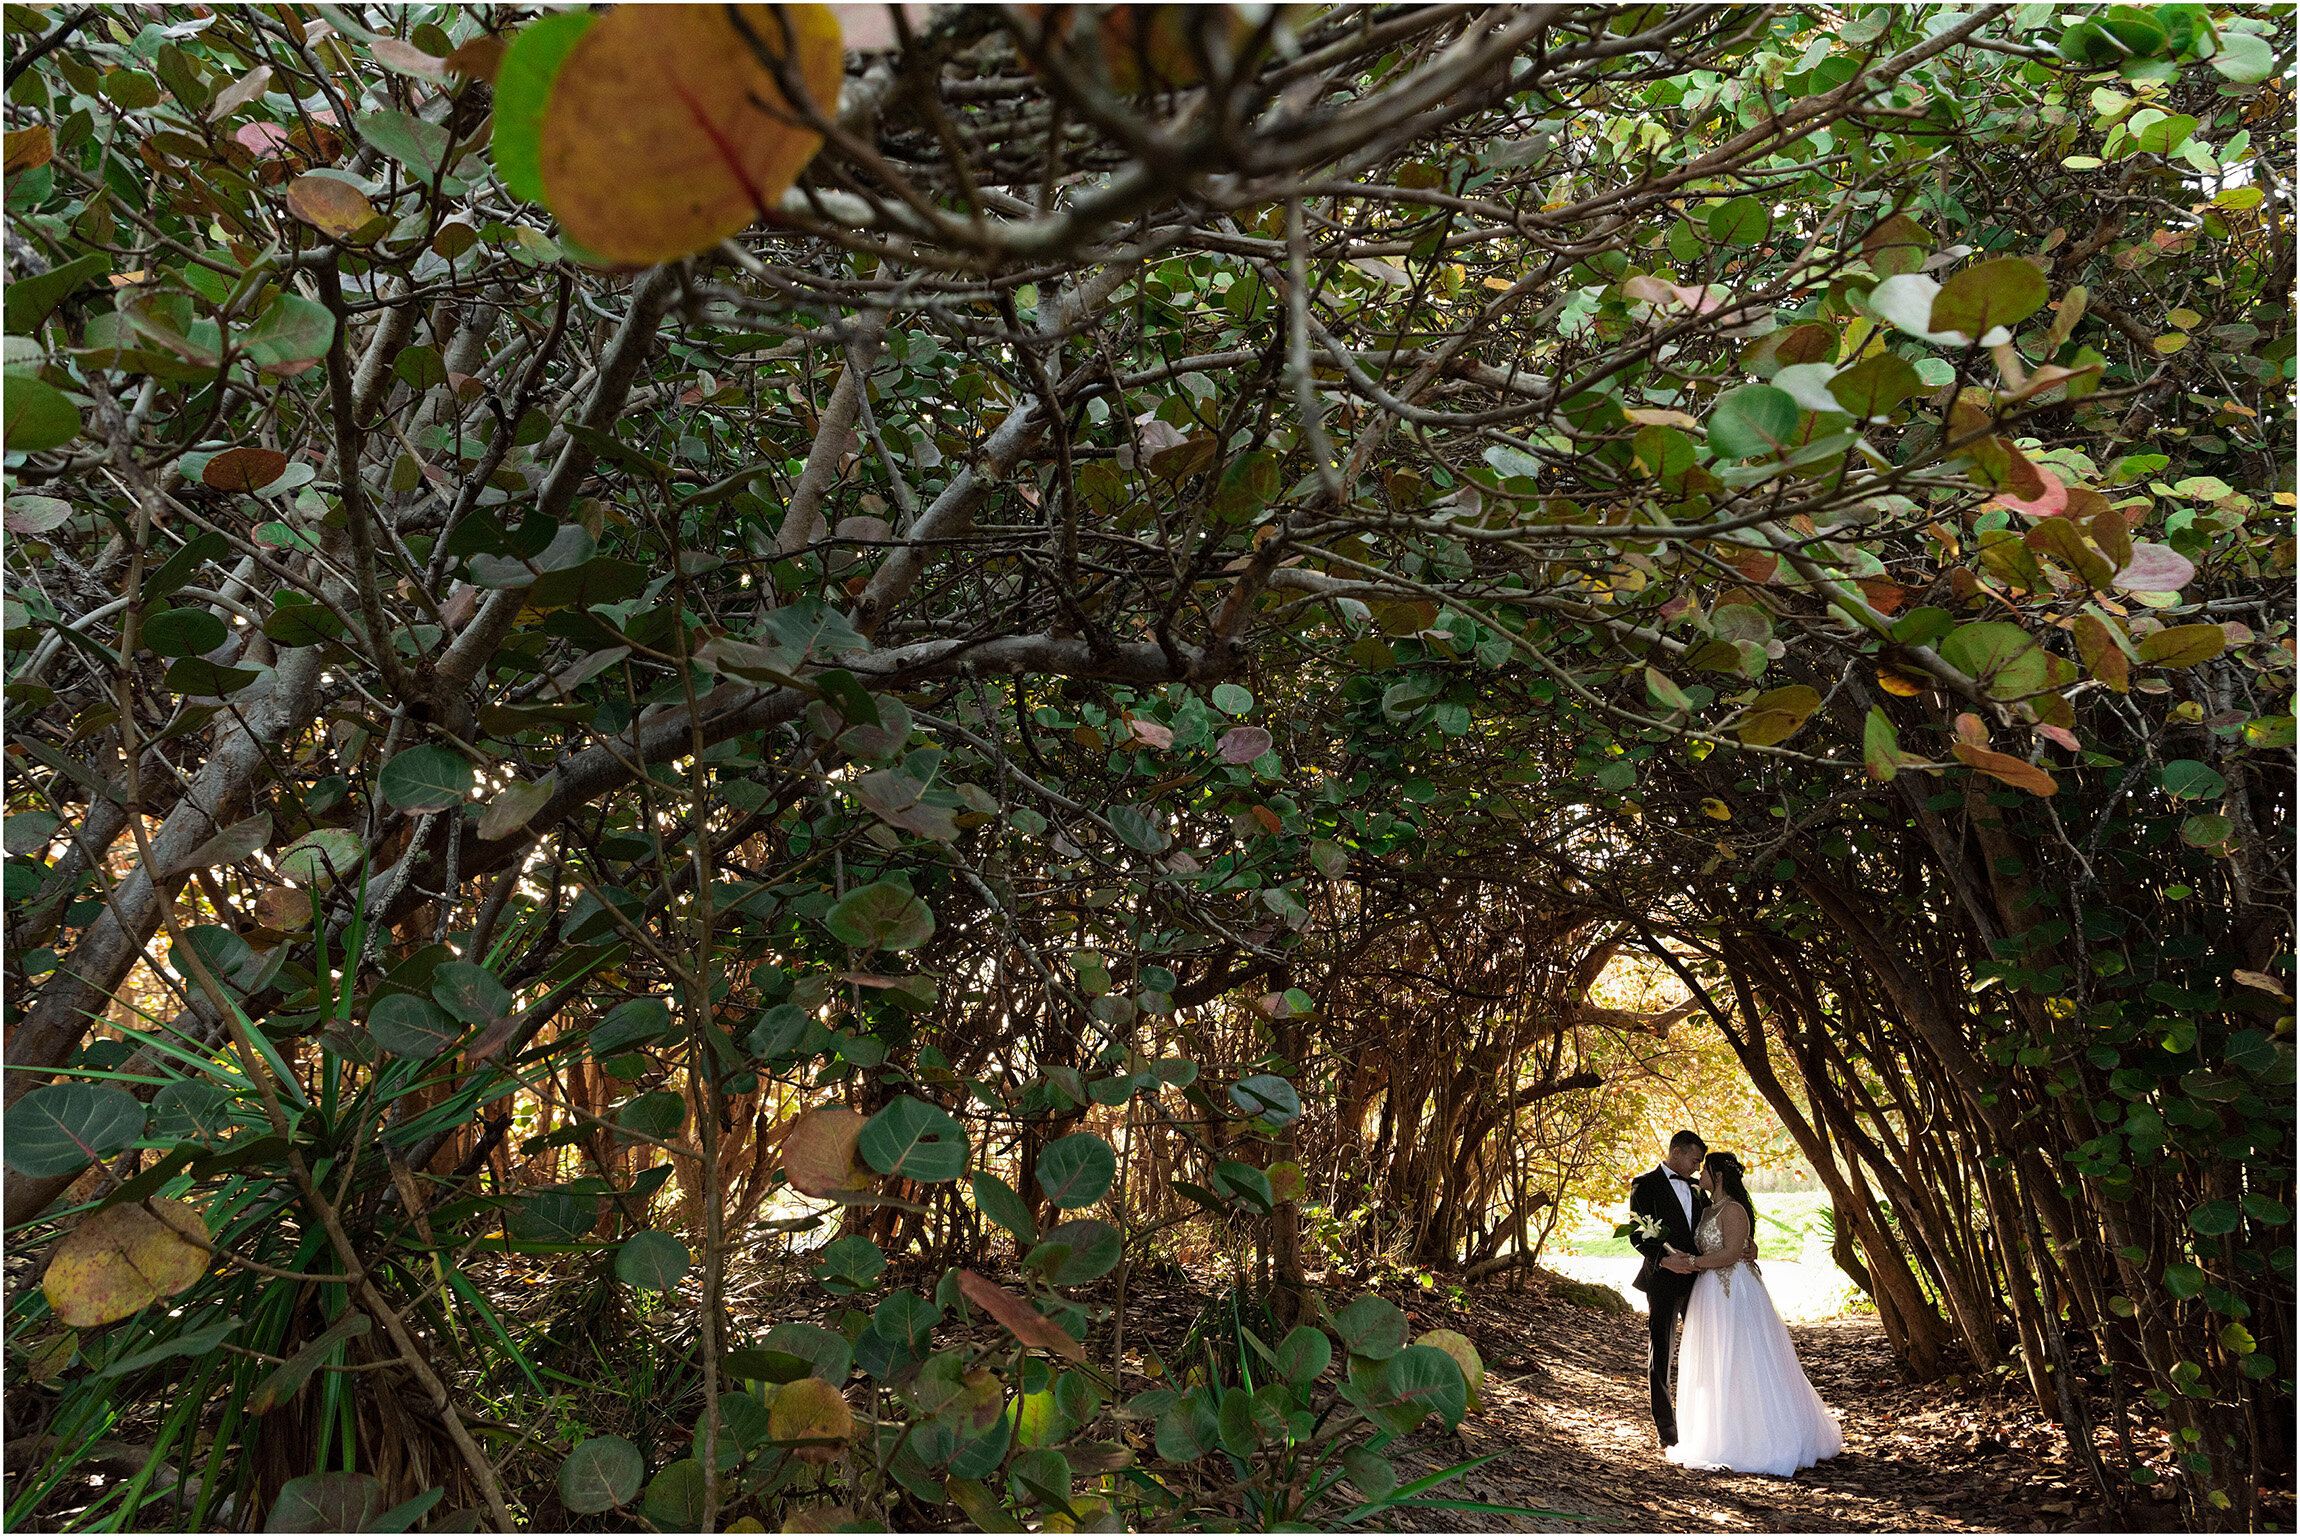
<point>1681,1179</point>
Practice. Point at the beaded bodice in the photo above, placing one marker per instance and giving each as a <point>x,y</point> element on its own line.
<point>1710,1235</point>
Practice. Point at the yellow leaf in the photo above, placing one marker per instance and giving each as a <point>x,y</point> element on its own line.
<point>1711,806</point>
<point>121,1261</point>
<point>1646,417</point>
<point>2171,343</point>
<point>332,207</point>
<point>665,133</point>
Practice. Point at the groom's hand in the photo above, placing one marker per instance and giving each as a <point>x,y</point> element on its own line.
<point>1680,1263</point>
<point>1750,1253</point>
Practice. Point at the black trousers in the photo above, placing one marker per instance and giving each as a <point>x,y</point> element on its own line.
<point>1668,1306</point>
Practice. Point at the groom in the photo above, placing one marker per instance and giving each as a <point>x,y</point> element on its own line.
<point>1669,1195</point>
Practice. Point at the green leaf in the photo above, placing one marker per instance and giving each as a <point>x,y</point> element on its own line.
<point>659,1114</point>
<point>1371,1472</point>
<point>292,332</point>
<point>1267,1096</point>
<point>1076,1170</point>
<point>2208,831</point>
<point>1138,828</point>
<point>881,916</point>
<point>1230,699</point>
<point>651,1261</point>
<point>427,778</point>
<point>849,1264</point>
<point>410,1026</point>
<point>2266,1210</point>
<point>327,1502</point>
<point>1989,294</point>
<point>1753,421</point>
<point>915,1140</point>
<point>30,299</point>
<point>522,89</point>
<point>996,1199</point>
<point>1372,1327</point>
<point>2003,656</point>
<point>1091,1247</point>
<point>2185,779</point>
<point>2245,58</point>
<point>64,1126</point>
<point>827,1355</point>
<point>470,993</point>
<point>1422,1379</point>
<point>1743,221</point>
<point>2164,135</point>
<point>1304,1354</point>
<point>674,1501</point>
<point>2214,1218</point>
<point>2183,1280</point>
<point>184,632</point>
<point>1875,385</point>
<point>35,416</point>
<point>420,146</point>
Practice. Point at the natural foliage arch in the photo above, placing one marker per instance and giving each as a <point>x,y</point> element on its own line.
<point>627,629</point>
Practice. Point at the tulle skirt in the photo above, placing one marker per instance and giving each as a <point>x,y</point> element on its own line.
<point>1742,1400</point>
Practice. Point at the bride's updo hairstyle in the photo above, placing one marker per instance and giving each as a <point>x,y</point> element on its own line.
<point>1727,1168</point>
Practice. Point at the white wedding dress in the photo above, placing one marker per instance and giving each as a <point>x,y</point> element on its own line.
<point>1742,1400</point>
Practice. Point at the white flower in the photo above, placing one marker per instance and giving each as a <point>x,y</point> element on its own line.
<point>1647,1227</point>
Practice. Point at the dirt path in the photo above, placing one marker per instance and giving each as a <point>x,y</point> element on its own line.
<point>1565,1407</point>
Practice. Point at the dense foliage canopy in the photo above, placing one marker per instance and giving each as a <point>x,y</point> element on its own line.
<point>1019,624</point>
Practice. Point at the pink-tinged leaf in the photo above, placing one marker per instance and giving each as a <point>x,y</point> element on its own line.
<point>1243,744</point>
<point>36,514</point>
<point>2051,503</point>
<point>873,979</point>
<point>1180,863</point>
<point>1150,734</point>
<point>2060,736</point>
<point>1970,728</point>
<point>2156,568</point>
<point>261,139</point>
<point>407,59</point>
<point>239,93</point>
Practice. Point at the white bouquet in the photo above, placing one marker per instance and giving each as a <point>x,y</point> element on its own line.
<point>1639,1226</point>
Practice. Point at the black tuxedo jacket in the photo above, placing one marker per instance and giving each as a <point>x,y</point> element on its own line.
<point>1653,1195</point>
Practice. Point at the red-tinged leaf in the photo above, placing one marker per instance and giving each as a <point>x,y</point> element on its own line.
<point>1971,728</point>
<point>244,469</point>
<point>1018,1317</point>
<point>479,59</point>
<point>819,1152</point>
<point>2017,772</point>
<point>2102,656</point>
<point>2033,491</point>
<point>1150,734</point>
<point>1243,744</point>
<point>493,1039</point>
<point>332,207</point>
<point>2060,736</point>
<point>664,134</point>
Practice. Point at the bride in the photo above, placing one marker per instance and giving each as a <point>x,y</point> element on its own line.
<point>1742,1400</point>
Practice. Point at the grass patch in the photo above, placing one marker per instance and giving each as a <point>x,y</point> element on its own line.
<point>1788,1223</point>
